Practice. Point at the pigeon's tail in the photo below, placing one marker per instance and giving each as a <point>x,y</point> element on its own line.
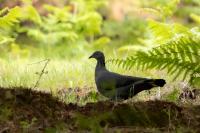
<point>159,82</point>
<point>156,82</point>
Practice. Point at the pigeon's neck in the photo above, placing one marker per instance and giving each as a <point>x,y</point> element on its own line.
<point>101,64</point>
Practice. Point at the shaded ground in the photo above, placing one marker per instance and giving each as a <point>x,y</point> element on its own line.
<point>23,110</point>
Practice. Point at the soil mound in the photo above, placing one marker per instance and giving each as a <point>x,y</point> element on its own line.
<point>24,110</point>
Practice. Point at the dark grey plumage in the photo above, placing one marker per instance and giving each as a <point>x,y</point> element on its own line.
<point>113,85</point>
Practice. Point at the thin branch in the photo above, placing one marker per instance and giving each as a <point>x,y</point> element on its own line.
<point>42,71</point>
<point>39,62</point>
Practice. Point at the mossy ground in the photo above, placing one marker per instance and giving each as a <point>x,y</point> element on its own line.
<point>24,110</point>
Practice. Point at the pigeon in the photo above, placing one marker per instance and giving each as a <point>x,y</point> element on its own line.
<point>120,87</point>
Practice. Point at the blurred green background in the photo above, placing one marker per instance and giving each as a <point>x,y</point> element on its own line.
<point>68,31</point>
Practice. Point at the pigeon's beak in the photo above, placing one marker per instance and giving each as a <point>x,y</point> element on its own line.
<point>91,57</point>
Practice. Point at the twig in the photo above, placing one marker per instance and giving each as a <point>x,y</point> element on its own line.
<point>42,71</point>
<point>39,62</point>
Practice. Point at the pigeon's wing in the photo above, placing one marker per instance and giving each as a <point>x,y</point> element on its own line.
<point>110,80</point>
<point>124,80</point>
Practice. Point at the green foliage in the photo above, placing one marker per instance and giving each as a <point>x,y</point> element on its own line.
<point>195,17</point>
<point>54,29</point>
<point>8,17</point>
<point>197,2</point>
<point>59,127</point>
<point>163,8</point>
<point>188,10</point>
<point>5,113</point>
<point>5,39</point>
<point>91,123</point>
<point>74,26</point>
<point>26,125</point>
<point>162,31</point>
<point>126,32</point>
<point>31,14</point>
<point>89,24</point>
<point>178,54</point>
<point>89,5</point>
<point>173,96</point>
<point>63,25</point>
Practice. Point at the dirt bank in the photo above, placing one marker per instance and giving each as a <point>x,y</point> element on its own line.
<point>23,110</point>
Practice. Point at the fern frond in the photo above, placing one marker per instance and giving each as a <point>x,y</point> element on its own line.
<point>179,57</point>
<point>5,39</point>
<point>30,13</point>
<point>162,32</point>
<point>9,17</point>
<point>195,17</point>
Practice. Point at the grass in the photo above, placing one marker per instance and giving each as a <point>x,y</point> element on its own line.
<point>61,74</point>
<point>71,80</point>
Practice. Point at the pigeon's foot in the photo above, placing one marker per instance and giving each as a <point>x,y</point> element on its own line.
<point>116,103</point>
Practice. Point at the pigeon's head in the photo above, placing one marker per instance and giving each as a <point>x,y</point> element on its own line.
<point>98,55</point>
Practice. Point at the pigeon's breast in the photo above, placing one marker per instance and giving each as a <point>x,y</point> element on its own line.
<point>104,83</point>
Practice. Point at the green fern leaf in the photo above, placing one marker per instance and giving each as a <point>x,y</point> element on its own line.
<point>8,17</point>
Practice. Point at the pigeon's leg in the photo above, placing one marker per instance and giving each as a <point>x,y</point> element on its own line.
<point>116,100</point>
<point>116,96</point>
<point>158,94</point>
<point>131,91</point>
